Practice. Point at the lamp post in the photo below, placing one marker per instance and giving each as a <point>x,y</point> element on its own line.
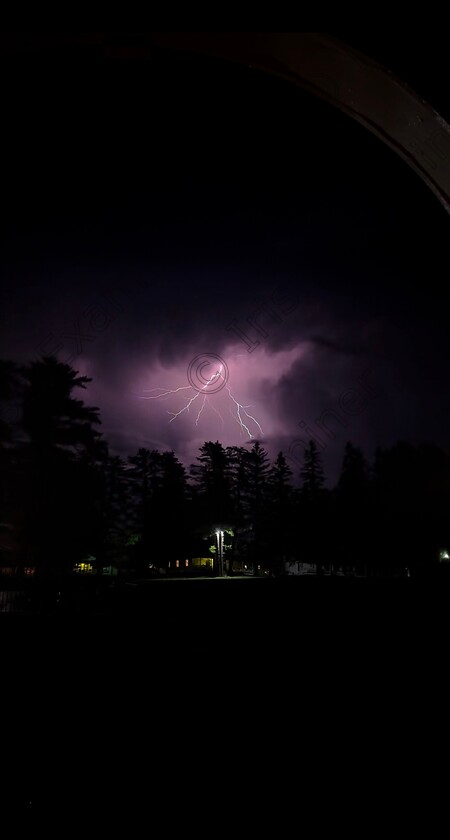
<point>220,566</point>
<point>218,553</point>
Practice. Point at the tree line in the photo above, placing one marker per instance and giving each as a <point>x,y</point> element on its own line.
<point>65,497</point>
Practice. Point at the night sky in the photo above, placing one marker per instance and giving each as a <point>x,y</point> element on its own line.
<point>149,206</point>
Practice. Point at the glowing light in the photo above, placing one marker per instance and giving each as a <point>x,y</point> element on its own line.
<point>239,412</point>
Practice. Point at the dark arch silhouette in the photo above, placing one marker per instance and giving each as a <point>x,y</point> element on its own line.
<point>350,81</point>
<point>324,66</point>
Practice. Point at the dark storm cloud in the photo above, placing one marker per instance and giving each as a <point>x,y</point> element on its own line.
<point>161,212</point>
<point>336,346</point>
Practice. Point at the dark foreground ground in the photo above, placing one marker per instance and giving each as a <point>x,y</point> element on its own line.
<point>237,617</point>
<point>145,699</point>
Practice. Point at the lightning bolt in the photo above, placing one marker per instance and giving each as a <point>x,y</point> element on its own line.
<point>201,409</point>
<point>240,408</point>
<point>166,392</point>
<point>239,413</point>
<point>217,412</point>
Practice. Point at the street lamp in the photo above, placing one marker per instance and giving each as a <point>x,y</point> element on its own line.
<point>218,552</point>
<point>219,535</point>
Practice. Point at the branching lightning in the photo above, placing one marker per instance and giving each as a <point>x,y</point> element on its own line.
<point>239,412</point>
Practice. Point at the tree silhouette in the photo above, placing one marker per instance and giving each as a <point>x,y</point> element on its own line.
<point>52,417</point>
<point>144,478</point>
<point>11,471</point>
<point>238,457</point>
<point>113,520</point>
<point>58,458</point>
<point>410,500</point>
<point>352,511</point>
<point>212,476</point>
<point>281,512</point>
<point>9,394</point>
<point>312,471</point>
<point>257,496</point>
<point>158,486</point>
<point>170,532</point>
<point>354,477</point>
<point>314,539</point>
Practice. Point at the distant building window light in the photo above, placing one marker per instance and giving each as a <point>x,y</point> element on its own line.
<point>187,563</point>
<point>177,564</point>
<point>84,568</point>
<point>202,561</point>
